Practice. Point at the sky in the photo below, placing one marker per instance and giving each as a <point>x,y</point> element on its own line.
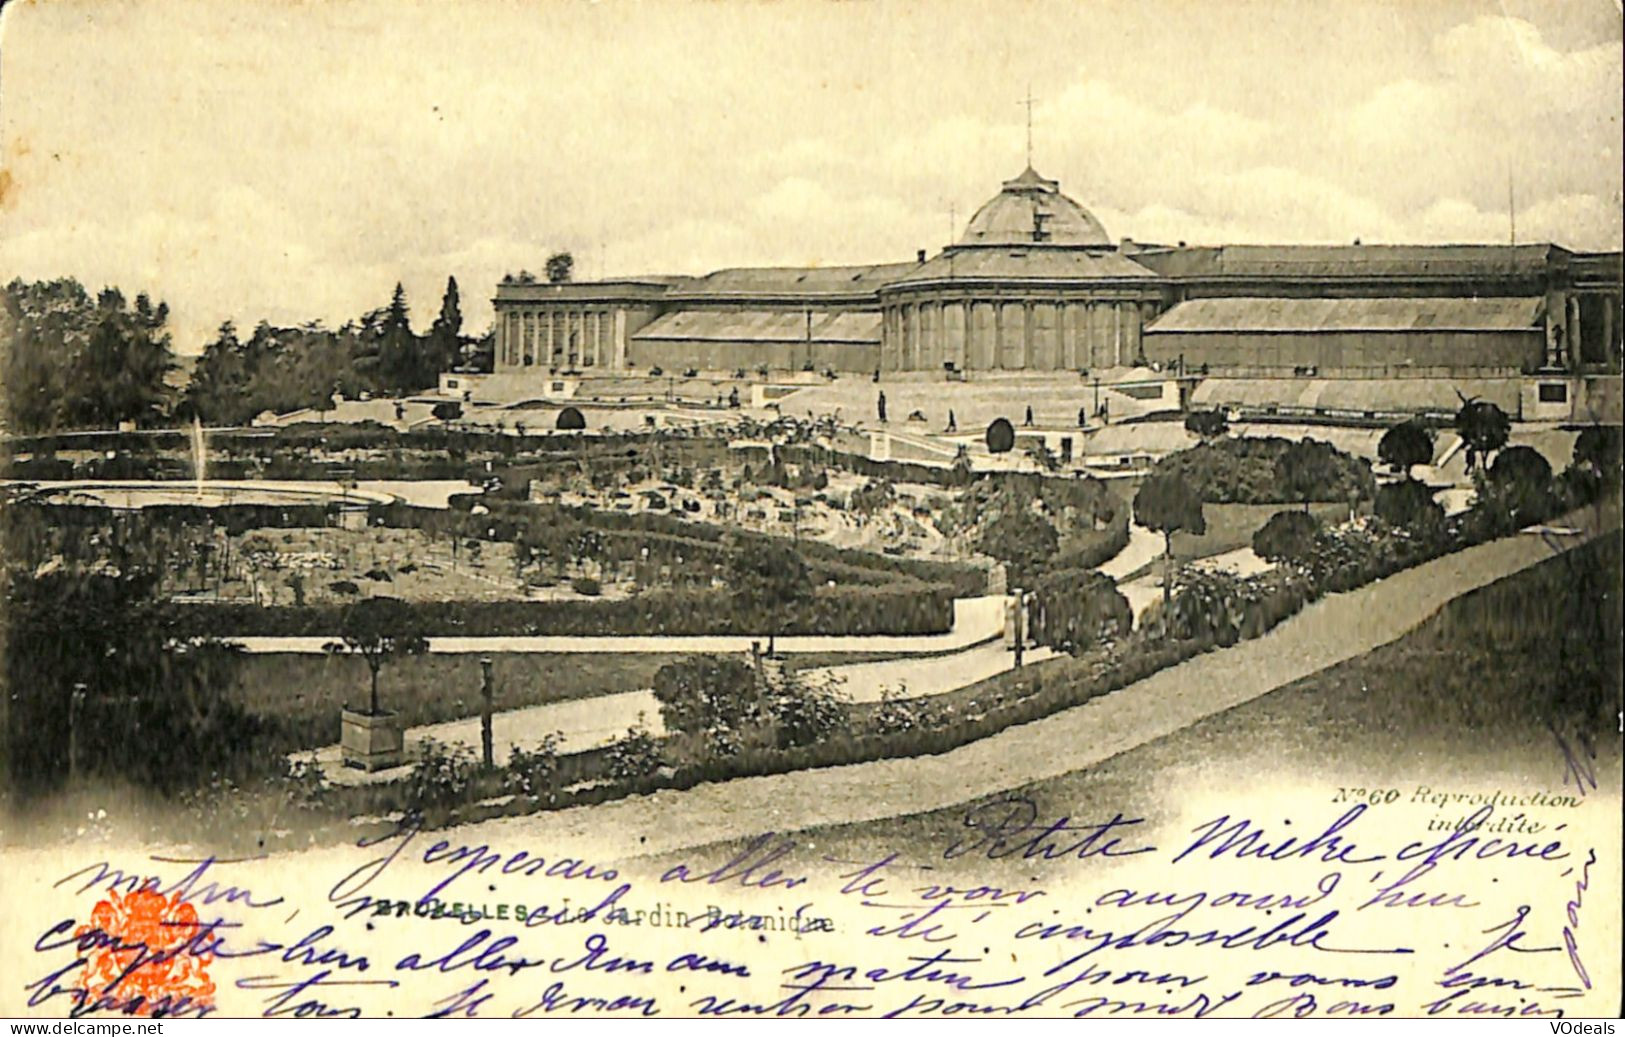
<point>289,160</point>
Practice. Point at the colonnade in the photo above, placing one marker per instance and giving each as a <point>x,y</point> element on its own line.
<point>562,337</point>
<point>1016,334</point>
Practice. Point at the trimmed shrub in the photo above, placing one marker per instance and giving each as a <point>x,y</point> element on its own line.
<point>1288,536</point>
<point>1407,503</point>
<point>1406,444</point>
<point>1270,470</point>
<point>1001,436</point>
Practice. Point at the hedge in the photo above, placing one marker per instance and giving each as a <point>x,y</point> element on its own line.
<point>1256,470</point>
<point>922,609</point>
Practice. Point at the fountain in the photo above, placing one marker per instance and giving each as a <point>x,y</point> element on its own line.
<point>200,459</point>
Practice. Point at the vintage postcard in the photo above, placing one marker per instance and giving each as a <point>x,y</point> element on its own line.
<point>777,510</point>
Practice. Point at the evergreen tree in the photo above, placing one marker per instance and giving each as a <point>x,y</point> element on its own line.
<point>445,336</point>
<point>400,364</point>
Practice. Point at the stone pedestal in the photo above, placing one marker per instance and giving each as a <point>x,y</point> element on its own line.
<point>373,741</point>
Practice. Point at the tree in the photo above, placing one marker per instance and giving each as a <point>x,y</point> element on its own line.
<point>1001,436</point>
<point>560,268</point>
<point>1406,444</point>
<point>1022,539</point>
<point>446,333</point>
<point>1483,428</point>
<point>70,361</point>
<point>1168,505</point>
<point>570,420</point>
<point>1207,424</point>
<point>1288,536</point>
<point>379,630</point>
<point>100,682</point>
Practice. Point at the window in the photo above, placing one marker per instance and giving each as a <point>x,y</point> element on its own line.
<point>1554,392</point>
<point>451,383</point>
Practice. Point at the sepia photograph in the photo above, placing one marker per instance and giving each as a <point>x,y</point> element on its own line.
<point>811,509</point>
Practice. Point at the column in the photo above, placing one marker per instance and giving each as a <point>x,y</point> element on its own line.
<point>1117,334</point>
<point>996,360</point>
<point>1609,302</point>
<point>1028,352</point>
<point>1571,333</point>
<point>550,339</point>
<point>956,323</point>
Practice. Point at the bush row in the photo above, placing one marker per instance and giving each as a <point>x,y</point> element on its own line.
<point>914,609</point>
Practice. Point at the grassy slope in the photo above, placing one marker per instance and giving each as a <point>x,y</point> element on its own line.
<point>1474,686</point>
<point>305,692</point>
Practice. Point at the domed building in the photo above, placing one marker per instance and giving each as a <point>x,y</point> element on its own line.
<point>1036,285</point>
<point>1031,208</point>
<point>1033,285</point>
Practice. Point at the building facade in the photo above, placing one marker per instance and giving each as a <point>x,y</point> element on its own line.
<point>1036,285</point>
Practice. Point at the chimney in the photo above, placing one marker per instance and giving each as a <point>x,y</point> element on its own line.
<point>920,256</point>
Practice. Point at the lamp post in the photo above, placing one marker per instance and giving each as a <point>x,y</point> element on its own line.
<point>76,708</point>
<point>487,702</point>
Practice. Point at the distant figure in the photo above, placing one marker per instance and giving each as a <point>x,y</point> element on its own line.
<point>953,426</point>
<point>1083,416</point>
<point>733,397</point>
<point>880,406</point>
<point>877,374</point>
<point>1105,412</point>
<point>1029,415</point>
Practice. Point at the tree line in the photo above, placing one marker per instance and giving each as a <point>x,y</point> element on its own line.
<point>72,361</point>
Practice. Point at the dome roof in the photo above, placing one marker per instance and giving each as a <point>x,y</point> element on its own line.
<point>1032,210</point>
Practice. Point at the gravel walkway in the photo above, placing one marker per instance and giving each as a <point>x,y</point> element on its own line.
<point>1334,629</point>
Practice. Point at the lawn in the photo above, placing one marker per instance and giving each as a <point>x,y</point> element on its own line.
<point>304,693</point>
<point>1473,688</point>
<point>1231,526</point>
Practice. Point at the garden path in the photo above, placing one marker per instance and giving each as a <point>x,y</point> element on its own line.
<point>1143,546</point>
<point>593,722</point>
<point>1334,629</point>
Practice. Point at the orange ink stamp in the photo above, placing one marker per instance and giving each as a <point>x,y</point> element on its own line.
<point>142,955</point>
